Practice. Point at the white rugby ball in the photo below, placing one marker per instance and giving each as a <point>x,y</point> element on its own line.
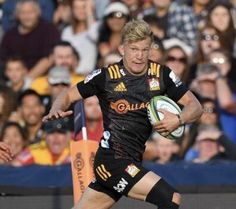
<point>163,102</point>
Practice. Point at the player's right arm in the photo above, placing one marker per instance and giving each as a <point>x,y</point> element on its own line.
<point>62,103</point>
<point>92,85</point>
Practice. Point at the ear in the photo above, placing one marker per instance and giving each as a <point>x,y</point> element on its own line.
<point>121,50</point>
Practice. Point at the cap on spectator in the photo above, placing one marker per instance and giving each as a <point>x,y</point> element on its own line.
<point>168,43</point>
<point>59,125</point>
<point>209,132</point>
<point>59,75</point>
<point>116,8</point>
<point>206,68</point>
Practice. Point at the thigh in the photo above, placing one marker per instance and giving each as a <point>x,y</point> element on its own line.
<point>141,189</point>
<point>92,199</point>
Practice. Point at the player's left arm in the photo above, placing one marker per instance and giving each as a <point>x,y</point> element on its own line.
<point>192,109</point>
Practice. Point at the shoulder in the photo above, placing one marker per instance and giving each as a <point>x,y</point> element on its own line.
<point>11,32</point>
<point>38,146</point>
<point>155,68</point>
<point>40,85</point>
<point>47,26</point>
<point>180,8</point>
<point>115,70</point>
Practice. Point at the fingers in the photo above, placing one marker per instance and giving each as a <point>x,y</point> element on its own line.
<point>57,115</point>
<point>5,156</point>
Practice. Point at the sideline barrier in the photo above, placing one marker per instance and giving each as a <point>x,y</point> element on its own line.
<point>42,187</point>
<point>218,176</point>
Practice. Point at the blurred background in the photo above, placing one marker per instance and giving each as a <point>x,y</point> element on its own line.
<point>48,45</point>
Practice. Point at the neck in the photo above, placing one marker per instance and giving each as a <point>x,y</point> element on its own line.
<point>131,72</point>
<point>161,12</point>
<point>17,86</point>
<point>81,27</point>
<point>33,129</point>
<point>25,30</point>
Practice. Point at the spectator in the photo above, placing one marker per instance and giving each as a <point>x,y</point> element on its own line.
<point>157,51</point>
<point>135,7</point>
<point>177,59</point>
<point>54,150</point>
<point>8,8</point>
<point>15,136</point>
<point>109,34</point>
<point>224,80</point>
<point>7,104</point>
<point>94,122</point>
<point>161,150</point>
<point>208,40</point>
<point>203,85</point>
<point>76,33</point>
<point>178,19</point>
<point>32,39</point>
<point>32,110</point>
<point>211,144</point>
<point>62,14</point>
<point>16,71</point>
<point>200,10</point>
<point>63,55</point>
<point>157,27</point>
<point>210,116</point>
<point>220,17</point>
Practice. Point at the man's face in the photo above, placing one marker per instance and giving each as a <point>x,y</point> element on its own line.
<point>57,142</point>
<point>56,89</point>
<point>32,110</point>
<point>64,56</point>
<point>28,15</point>
<point>162,3</point>
<point>15,71</point>
<point>135,55</point>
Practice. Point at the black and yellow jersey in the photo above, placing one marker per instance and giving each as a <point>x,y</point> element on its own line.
<point>123,98</point>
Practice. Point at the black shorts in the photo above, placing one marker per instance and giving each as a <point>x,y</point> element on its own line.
<point>115,177</point>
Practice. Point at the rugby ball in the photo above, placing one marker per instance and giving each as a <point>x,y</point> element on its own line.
<point>163,102</point>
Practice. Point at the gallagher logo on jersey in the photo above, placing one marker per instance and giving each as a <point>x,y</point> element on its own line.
<point>122,106</point>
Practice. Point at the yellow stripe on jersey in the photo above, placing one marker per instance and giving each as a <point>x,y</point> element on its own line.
<point>115,73</point>
<point>155,69</point>
<point>118,71</point>
<point>158,70</point>
<point>111,72</point>
<point>104,169</point>
<point>100,174</point>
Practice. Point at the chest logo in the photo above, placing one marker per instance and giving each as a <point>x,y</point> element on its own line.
<point>154,84</point>
<point>132,170</point>
<point>122,106</point>
<point>120,87</point>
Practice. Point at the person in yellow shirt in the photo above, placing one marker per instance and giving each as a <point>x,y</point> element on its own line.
<point>63,55</point>
<point>54,150</point>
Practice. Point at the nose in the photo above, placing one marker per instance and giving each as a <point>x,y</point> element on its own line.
<point>139,55</point>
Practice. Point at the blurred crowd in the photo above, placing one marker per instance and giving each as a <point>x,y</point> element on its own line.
<point>48,45</point>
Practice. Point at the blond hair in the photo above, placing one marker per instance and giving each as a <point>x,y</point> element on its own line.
<point>136,30</point>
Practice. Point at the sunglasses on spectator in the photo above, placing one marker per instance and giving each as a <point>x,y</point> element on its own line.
<point>218,60</point>
<point>180,59</point>
<point>209,37</point>
<point>209,110</point>
<point>116,15</point>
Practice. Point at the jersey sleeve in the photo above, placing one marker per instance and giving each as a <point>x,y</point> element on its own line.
<point>93,84</point>
<point>175,88</point>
